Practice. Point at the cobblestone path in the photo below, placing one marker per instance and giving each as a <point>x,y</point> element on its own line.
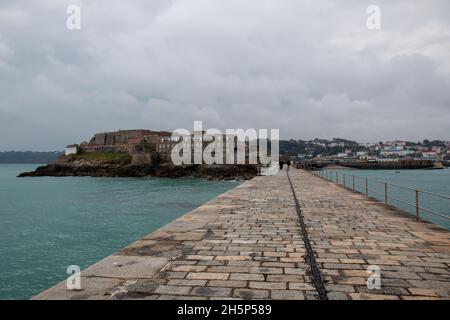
<point>249,244</point>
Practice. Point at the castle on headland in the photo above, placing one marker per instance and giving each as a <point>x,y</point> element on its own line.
<point>137,143</point>
<point>147,146</point>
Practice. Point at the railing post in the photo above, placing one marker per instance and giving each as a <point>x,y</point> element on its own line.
<point>337,177</point>
<point>367,187</point>
<point>353,183</point>
<point>385,193</point>
<point>417,206</point>
<point>343,175</point>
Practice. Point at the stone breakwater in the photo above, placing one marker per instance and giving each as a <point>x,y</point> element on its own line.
<point>211,172</point>
<point>274,239</point>
<point>366,165</point>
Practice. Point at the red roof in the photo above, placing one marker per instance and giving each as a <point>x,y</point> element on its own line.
<point>134,140</point>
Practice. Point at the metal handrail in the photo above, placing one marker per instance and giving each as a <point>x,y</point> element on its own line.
<point>329,177</point>
<point>409,204</point>
<point>412,189</point>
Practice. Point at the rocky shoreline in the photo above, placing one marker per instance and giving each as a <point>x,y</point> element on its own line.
<point>210,172</point>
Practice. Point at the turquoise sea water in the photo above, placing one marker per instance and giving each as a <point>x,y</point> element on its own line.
<point>436,181</point>
<point>47,224</point>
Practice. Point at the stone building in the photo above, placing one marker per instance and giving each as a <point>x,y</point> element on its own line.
<point>129,141</point>
<point>147,146</point>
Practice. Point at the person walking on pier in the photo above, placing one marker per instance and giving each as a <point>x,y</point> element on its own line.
<point>281,164</point>
<point>288,163</point>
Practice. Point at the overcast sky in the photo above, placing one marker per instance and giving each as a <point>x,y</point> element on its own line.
<point>310,68</point>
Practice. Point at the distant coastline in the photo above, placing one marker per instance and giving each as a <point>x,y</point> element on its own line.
<point>28,157</point>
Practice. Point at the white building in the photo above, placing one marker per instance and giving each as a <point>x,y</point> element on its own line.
<point>337,144</point>
<point>396,143</point>
<point>361,153</point>
<point>71,149</point>
<point>429,155</point>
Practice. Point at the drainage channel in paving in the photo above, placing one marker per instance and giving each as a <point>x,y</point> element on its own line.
<point>310,258</point>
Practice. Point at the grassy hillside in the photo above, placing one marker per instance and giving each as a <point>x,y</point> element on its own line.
<point>101,157</point>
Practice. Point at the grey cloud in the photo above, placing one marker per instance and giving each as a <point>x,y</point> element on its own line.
<point>310,68</point>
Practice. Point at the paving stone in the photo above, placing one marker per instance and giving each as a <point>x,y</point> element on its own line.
<point>184,282</point>
<point>354,273</point>
<point>301,286</point>
<point>398,291</point>
<point>234,258</point>
<point>247,276</point>
<point>355,261</point>
<point>173,274</point>
<point>366,296</point>
<point>208,276</point>
<point>211,291</point>
<point>339,287</point>
<point>337,295</point>
<point>251,294</point>
<point>423,292</point>
<point>285,278</point>
<point>146,287</point>
<point>420,298</point>
<point>267,285</point>
<point>188,268</point>
<point>227,283</point>
<point>297,271</point>
<point>228,269</point>
<point>199,257</point>
<point>244,263</point>
<point>173,290</point>
<point>287,295</point>
<point>266,270</point>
